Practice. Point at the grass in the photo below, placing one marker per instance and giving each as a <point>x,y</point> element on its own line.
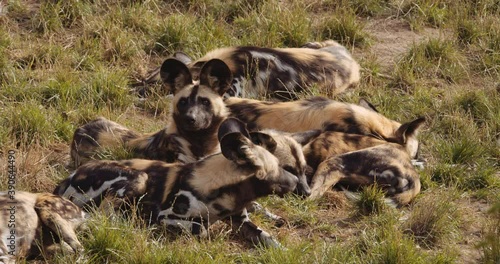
<point>64,63</point>
<point>491,243</point>
<point>344,28</point>
<point>433,220</point>
<point>435,58</point>
<point>371,200</point>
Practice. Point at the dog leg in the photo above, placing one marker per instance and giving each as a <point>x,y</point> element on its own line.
<point>256,207</point>
<point>329,172</point>
<point>241,224</point>
<point>61,227</point>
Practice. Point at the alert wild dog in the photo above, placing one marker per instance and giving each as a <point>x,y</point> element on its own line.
<point>191,134</point>
<point>280,73</point>
<point>352,161</point>
<point>40,221</point>
<point>193,195</point>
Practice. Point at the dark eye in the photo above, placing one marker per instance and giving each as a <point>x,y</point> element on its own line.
<point>183,101</point>
<point>291,170</point>
<point>205,101</point>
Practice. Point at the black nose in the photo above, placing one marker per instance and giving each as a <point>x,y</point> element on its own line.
<point>302,190</point>
<point>190,119</point>
<point>306,193</point>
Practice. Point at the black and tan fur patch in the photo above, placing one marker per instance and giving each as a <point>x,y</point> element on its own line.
<point>353,161</point>
<point>388,165</point>
<point>281,73</point>
<point>39,219</point>
<point>313,113</point>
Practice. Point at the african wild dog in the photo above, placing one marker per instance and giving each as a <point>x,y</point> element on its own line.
<point>388,165</point>
<point>288,149</point>
<point>197,111</point>
<point>281,73</point>
<point>290,155</point>
<point>34,221</point>
<point>352,161</point>
<point>317,113</point>
<point>194,195</point>
<point>96,135</point>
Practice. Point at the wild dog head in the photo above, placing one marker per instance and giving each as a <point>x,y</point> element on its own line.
<point>197,105</point>
<point>404,134</point>
<point>269,156</point>
<point>289,152</point>
<point>388,165</point>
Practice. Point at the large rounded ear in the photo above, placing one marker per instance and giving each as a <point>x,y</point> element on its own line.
<point>175,74</point>
<point>364,103</point>
<point>305,137</point>
<point>409,130</point>
<point>232,125</point>
<point>216,75</point>
<point>234,146</point>
<point>182,57</point>
<point>264,140</point>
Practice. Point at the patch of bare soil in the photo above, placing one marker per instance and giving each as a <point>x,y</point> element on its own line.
<point>393,37</point>
<point>474,214</point>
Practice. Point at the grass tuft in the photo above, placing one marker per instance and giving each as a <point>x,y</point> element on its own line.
<point>275,25</point>
<point>432,59</point>
<point>172,34</point>
<point>27,124</point>
<point>490,59</point>
<point>433,220</point>
<point>344,28</point>
<point>371,200</point>
<point>56,15</point>
<point>468,32</point>
<point>381,241</point>
<point>490,245</point>
<point>462,151</point>
<point>422,13</point>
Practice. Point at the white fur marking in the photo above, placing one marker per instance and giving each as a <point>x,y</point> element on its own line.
<point>81,198</point>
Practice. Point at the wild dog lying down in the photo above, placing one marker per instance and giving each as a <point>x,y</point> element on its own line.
<point>388,165</point>
<point>282,73</point>
<point>34,221</point>
<point>352,161</point>
<point>318,113</point>
<point>163,147</point>
<point>194,195</point>
<point>191,134</point>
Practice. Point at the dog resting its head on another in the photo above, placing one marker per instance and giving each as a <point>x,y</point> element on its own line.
<point>194,195</point>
